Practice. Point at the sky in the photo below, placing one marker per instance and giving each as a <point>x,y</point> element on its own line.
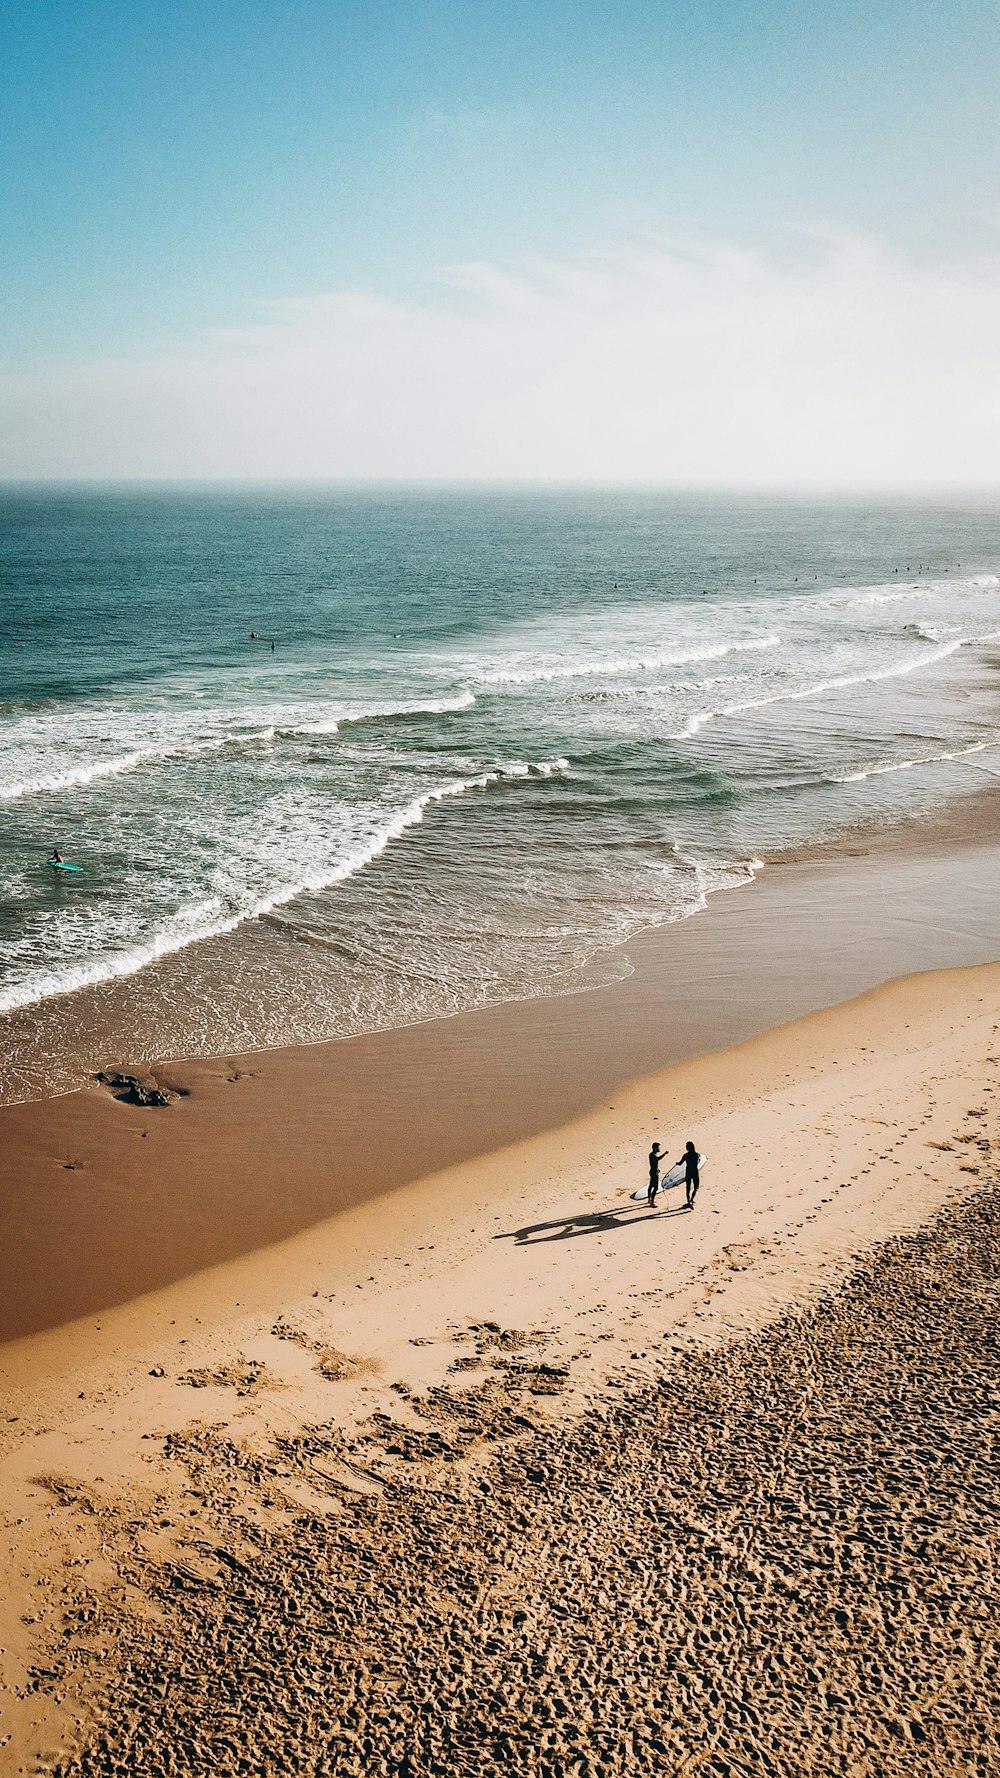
<point>702,243</point>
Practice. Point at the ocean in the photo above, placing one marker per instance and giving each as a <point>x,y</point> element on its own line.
<point>332,759</point>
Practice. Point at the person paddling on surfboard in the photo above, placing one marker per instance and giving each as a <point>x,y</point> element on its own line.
<point>56,857</point>
<point>689,1159</point>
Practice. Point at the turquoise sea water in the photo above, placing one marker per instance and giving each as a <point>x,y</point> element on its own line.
<point>497,733</point>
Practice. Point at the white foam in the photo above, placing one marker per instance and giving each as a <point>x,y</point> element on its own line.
<point>616,665</point>
<point>898,671</point>
<point>231,731</point>
<point>891,593</point>
<point>76,776</point>
<point>432,707</point>
<point>206,919</point>
<point>630,693</point>
<point>886,598</point>
<point>706,878</point>
<point>905,765</point>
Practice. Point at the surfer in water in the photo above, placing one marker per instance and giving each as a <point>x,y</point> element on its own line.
<point>656,1155</point>
<point>55,856</point>
<point>691,1177</point>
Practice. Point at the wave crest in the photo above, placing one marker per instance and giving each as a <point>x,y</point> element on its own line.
<point>210,918</point>
<point>612,666</point>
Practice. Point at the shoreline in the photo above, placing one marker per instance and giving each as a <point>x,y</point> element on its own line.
<point>107,1202</point>
<point>56,1045</point>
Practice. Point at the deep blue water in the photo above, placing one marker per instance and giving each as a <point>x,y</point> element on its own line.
<point>497,732</point>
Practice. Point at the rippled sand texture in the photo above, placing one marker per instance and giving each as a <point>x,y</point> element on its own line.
<point>777,1560</point>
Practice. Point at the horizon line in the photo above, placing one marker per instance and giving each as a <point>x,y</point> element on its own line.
<point>785,490</point>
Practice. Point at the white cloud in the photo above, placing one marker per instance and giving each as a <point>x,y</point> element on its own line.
<point>847,364</point>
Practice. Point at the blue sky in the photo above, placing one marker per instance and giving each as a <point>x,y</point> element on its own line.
<point>166,165</point>
<point>169,170</point>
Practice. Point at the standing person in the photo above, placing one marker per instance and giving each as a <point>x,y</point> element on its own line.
<point>690,1158</point>
<point>656,1155</point>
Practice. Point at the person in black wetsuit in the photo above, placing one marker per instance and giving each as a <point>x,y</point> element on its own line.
<point>656,1155</point>
<point>691,1178</point>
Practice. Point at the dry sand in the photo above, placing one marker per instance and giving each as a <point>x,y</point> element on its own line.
<point>503,1472</point>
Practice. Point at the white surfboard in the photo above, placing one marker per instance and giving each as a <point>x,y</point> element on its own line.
<point>667,1181</point>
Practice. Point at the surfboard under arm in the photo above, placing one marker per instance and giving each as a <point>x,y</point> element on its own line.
<point>674,1177</point>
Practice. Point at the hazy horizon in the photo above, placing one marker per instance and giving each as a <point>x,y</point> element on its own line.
<point>913,493</point>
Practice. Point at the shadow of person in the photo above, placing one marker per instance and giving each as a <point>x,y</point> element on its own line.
<point>584,1222</point>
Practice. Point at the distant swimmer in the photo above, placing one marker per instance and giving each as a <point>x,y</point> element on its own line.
<point>253,635</point>
<point>272,647</point>
<point>690,1159</point>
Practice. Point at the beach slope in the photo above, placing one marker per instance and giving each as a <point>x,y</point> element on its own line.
<point>504,1470</point>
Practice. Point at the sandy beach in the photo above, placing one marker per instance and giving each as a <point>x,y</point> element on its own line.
<point>106,1200</point>
<point>499,695</point>
<point>777,1559</point>
<point>498,1469</point>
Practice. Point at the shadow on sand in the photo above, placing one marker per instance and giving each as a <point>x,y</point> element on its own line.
<point>587,1222</point>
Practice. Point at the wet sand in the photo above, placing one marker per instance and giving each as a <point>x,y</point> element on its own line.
<point>104,1201</point>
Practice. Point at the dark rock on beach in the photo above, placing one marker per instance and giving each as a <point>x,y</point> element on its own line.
<point>131,1089</point>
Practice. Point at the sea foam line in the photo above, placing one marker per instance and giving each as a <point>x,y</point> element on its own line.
<point>136,758</point>
<point>632,693</point>
<point>108,768</point>
<point>438,707</point>
<point>187,927</point>
<point>708,879</point>
<point>617,665</point>
<point>906,765</point>
<point>701,717</point>
<point>891,594</point>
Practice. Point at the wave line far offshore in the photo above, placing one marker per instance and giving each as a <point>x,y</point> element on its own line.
<point>888,593</point>
<point>620,665</point>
